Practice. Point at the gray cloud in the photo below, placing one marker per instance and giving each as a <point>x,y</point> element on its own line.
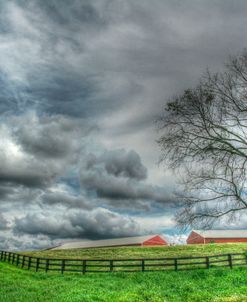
<point>114,63</point>
<point>77,50</point>
<point>37,150</point>
<point>11,242</point>
<point>117,175</point>
<point>13,195</point>
<point>35,224</point>
<point>5,191</point>
<point>3,222</point>
<point>119,163</point>
<point>67,200</point>
<point>99,223</point>
<point>51,137</point>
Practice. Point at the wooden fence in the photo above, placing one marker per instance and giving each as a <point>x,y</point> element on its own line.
<point>122,265</point>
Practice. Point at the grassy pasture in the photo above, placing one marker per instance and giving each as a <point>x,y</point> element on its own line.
<point>144,252</point>
<point>213,285</point>
<point>216,285</point>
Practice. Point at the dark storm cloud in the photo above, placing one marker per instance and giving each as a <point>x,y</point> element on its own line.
<point>51,137</point>
<point>83,12</point>
<point>118,175</point>
<point>49,70</point>
<point>16,196</point>
<point>3,222</point>
<point>28,178</point>
<point>103,223</point>
<point>99,223</point>
<point>35,224</point>
<point>37,150</point>
<point>5,191</point>
<point>65,56</point>
<point>10,242</point>
<point>119,163</point>
<point>114,62</point>
<point>67,200</point>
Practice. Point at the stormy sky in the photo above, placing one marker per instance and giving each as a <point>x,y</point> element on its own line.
<point>81,84</point>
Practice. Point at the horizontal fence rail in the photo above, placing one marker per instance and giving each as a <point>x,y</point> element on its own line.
<point>122,265</point>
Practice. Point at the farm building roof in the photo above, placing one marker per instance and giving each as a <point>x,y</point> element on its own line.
<point>105,242</point>
<point>222,233</point>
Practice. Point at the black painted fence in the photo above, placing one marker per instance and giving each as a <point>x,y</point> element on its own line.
<point>122,265</point>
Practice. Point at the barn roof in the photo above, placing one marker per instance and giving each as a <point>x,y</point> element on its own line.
<point>222,233</point>
<point>105,242</point>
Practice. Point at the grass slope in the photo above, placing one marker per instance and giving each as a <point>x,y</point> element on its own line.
<point>145,252</point>
<point>215,285</point>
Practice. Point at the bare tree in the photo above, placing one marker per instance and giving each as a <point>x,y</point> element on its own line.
<point>204,138</point>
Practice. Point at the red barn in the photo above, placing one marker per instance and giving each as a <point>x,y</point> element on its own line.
<point>151,240</point>
<point>216,236</point>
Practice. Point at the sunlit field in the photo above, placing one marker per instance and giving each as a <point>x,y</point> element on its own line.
<point>145,252</point>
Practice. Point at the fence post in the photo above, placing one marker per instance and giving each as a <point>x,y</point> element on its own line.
<point>13,258</point>
<point>9,257</point>
<point>84,266</point>
<point>230,260</point>
<point>47,265</point>
<point>63,266</point>
<point>37,264</point>
<point>143,265</point>
<point>23,261</point>
<point>176,264</point>
<point>207,262</point>
<point>111,265</point>
<point>1,255</point>
<point>29,263</point>
<point>17,260</point>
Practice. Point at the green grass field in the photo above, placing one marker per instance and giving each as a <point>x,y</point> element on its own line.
<point>214,285</point>
<point>145,252</point>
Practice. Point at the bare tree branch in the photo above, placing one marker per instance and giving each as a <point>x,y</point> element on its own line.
<point>204,138</point>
